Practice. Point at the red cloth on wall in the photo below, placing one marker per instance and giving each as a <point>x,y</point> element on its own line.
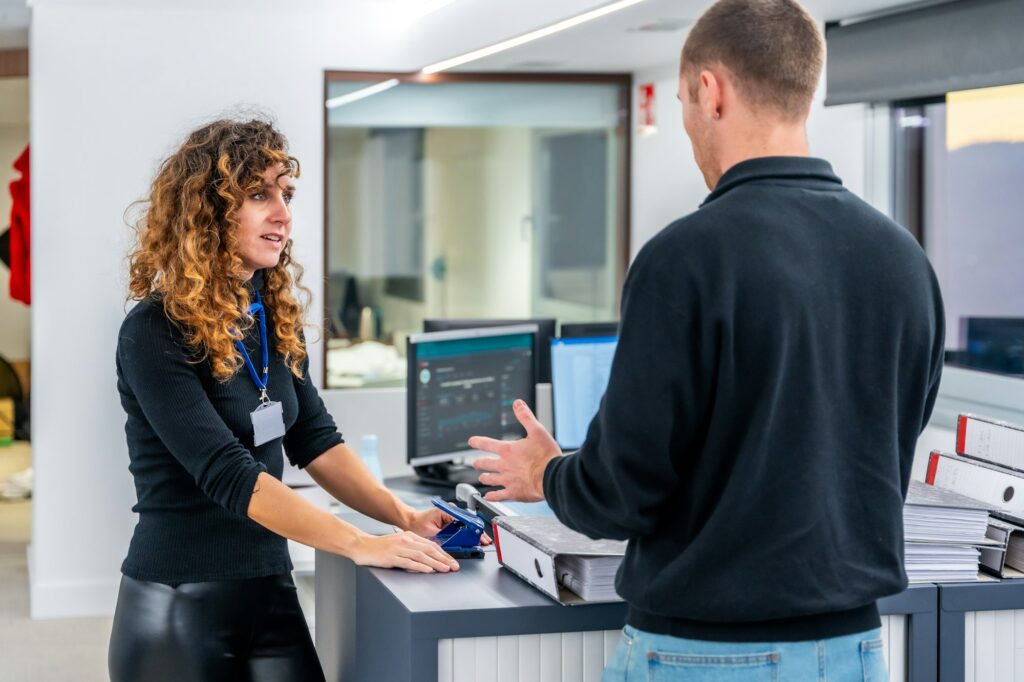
<point>21,264</point>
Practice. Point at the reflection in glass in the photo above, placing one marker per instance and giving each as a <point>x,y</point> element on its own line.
<point>467,200</point>
<point>973,169</point>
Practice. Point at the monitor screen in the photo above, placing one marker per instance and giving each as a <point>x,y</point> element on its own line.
<point>572,330</point>
<point>462,384</point>
<point>545,332</point>
<point>579,376</point>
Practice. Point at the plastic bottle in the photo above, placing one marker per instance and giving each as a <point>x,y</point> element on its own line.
<point>369,452</point>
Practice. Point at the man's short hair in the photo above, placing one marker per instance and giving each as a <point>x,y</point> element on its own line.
<point>772,47</point>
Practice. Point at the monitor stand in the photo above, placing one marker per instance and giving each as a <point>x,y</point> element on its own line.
<point>447,474</point>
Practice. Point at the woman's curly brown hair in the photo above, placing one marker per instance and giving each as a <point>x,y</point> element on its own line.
<point>185,253</point>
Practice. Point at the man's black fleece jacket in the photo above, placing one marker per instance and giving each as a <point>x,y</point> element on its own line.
<point>779,354</point>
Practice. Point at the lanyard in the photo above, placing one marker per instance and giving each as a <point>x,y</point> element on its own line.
<point>261,382</point>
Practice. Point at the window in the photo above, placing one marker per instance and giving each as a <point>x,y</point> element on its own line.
<point>469,196</point>
<point>958,173</point>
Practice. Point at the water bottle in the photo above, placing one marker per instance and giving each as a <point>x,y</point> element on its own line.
<point>369,453</point>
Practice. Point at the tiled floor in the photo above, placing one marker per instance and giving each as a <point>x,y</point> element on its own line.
<point>73,649</point>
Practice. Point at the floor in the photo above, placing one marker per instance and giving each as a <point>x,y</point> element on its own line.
<point>28,648</point>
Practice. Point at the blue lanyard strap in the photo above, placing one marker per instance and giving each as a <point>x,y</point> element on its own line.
<point>260,381</point>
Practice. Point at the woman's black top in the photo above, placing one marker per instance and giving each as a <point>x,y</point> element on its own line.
<point>190,444</point>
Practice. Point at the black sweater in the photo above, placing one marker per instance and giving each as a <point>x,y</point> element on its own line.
<point>779,355</point>
<point>190,444</point>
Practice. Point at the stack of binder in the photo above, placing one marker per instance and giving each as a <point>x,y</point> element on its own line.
<point>943,532</point>
<point>989,467</point>
<point>567,566</point>
<point>1006,559</point>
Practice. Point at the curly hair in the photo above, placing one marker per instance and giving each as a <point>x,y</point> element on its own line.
<point>185,251</point>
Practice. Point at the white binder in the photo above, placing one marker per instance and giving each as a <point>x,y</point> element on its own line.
<point>998,487</point>
<point>530,547</point>
<point>990,440</point>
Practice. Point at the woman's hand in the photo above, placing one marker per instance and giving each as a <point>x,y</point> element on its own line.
<point>402,550</point>
<point>429,523</point>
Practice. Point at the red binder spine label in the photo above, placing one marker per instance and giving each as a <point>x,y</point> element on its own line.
<point>497,542</point>
<point>933,467</point>
<point>961,434</point>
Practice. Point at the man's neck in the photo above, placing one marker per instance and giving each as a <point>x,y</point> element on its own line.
<point>760,141</point>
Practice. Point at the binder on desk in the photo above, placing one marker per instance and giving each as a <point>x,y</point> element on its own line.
<point>990,440</point>
<point>1000,488</point>
<point>1007,559</point>
<point>565,565</point>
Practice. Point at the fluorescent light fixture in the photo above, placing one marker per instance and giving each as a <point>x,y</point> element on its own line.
<point>348,98</point>
<point>425,7</point>
<point>529,37</point>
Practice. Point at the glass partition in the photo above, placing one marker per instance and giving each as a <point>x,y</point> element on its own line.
<point>474,197</point>
<point>959,165</point>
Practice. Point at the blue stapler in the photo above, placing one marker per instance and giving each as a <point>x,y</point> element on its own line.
<point>461,537</point>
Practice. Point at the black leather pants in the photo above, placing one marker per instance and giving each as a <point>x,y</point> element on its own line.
<point>248,630</point>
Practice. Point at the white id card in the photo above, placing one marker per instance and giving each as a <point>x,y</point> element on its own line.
<point>267,423</point>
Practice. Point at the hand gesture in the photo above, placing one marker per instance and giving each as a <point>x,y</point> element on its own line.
<point>519,465</point>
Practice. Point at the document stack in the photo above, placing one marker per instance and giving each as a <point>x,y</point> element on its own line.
<point>943,532</point>
<point>989,467</point>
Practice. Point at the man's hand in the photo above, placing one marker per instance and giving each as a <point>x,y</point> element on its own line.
<point>519,465</point>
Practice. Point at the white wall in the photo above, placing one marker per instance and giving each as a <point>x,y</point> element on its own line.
<point>666,181</point>
<point>116,85</point>
<point>15,317</point>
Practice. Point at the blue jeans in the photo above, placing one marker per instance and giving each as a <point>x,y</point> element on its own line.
<point>645,657</point>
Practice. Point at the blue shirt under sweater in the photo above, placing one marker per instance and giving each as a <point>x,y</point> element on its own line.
<point>190,444</point>
<point>779,354</point>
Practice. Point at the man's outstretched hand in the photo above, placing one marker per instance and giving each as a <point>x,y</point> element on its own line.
<point>519,465</point>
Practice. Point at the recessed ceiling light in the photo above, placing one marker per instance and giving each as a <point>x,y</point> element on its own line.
<point>529,37</point>
<point>350,97</point>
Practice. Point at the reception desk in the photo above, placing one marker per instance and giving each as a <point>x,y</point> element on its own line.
<point>484,624</point>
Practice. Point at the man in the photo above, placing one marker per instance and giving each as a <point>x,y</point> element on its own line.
<point>779,354</point>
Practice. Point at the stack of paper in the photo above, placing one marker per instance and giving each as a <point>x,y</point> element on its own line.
<point>936,514</point>
<point>591,577</point>
<point>943,531</point>
<point>941,563</point>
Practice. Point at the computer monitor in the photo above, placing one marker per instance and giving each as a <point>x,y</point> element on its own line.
<point>579,376</point>
<point>545,332</point>
<point>573,330</point>
<point>462,383</point>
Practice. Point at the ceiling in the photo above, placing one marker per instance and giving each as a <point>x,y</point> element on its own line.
<point>609,44</point>
<point>614,44</point>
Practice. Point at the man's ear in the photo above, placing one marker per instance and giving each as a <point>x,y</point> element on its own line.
<point>710,94</point>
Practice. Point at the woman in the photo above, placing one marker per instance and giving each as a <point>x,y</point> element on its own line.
<point>213,375</point>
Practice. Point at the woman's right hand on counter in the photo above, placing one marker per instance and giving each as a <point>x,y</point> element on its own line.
<point>402,550</point>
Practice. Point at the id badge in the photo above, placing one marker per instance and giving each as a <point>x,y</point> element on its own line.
<point>267,423</point>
